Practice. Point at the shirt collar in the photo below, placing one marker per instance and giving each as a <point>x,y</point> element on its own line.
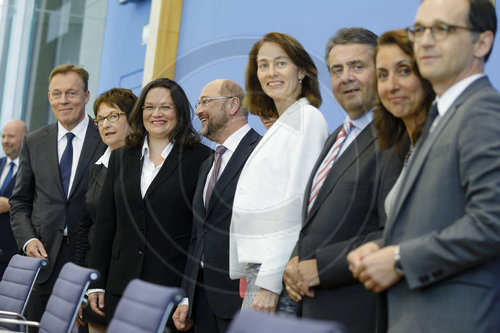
<point>104,159</point>
<point>16,161</point>
<point>450,95</point>
<point>145,149</point>
<point>234,139</point>
<point>363,121</point>
<point>79,130</point>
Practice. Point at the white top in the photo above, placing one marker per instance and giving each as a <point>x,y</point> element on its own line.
<point>231,144</point>
<point>149,171</point>
<point>104,159</point>
<point>79,131</point>
<point>6,168</point>
<point>267,206</point>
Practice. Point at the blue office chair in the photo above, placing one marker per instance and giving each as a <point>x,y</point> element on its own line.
<point>64,302</point>
<point>15,287</point>
<point>252,321</point>
<point>144,308</point>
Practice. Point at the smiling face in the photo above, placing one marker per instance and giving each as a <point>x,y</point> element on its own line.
<point>213,116</point>
<point>12,138</point>
<point>159,124</point>
<point>113,134</point>
<point>278,75</point>
<point>450,60</point>
<point>67,98</point>
<point>399,88</point>
<point>352,74</point>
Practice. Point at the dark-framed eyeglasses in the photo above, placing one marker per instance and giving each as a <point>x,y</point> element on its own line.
<point>112,117</point>
<point>439,31</point>
<point>205,100</point>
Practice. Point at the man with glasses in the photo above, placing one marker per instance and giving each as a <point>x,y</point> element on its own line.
<point>212,297</point>
<point>440,264</point>
<point>47,202</point>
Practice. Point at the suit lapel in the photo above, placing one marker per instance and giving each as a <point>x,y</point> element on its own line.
<point>424,147</point>
<point>132,164</point>
<point>237,161</point>
<point>344,162</point>
<point>198,204</point>
<point>89,148</point>
<point>169,166</point>
<point>52,158</point>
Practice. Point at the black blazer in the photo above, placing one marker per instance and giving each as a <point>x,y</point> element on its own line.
<point>39,207</point>
<point>145,238</point>
<point>345,215</point>
<point>8,244</point>
<point>211,234</point>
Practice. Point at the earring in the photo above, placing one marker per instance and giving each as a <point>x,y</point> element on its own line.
<point>300,80</point>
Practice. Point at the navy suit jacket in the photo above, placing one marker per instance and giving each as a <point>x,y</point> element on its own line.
<point>7,241</point>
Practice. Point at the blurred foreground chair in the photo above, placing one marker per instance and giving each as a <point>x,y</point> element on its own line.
<point>64,302</point>
<point>144,308</point>
<point>15,287</point>
<point>252,321</point>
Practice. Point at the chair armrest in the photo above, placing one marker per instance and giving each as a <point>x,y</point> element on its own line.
<point>12,314</point>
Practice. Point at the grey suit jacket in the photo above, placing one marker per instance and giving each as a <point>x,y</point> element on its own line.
<point>447,222</point>
<point>39,207</point>
<point>344,215</point>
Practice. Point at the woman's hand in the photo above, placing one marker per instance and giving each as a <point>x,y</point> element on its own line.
<point>265,301</point>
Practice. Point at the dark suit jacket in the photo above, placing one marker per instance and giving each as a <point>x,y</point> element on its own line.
<point>344,215</point>
<point>446,221</point>
<point>145,238</point>
<point>8,244</point>
<point>39,207</point>
<point>211,234</point>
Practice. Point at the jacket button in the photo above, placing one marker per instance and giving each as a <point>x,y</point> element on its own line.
<point>141,252</point>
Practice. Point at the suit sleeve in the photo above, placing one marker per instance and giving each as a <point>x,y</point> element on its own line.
<point>21,201</point>
<point>473,238</point>
<point>105,227</point>
<point>82,242</point>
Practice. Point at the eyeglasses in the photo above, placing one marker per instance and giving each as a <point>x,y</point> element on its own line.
<point>439,31</point>
<point>112,117</point>
<point>70,94</point>
<point>152,108</point>
<point>205,100</point>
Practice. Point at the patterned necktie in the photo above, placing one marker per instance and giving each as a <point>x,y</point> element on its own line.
<point>215,173</point>
<point>7,178</point>
<point>66,162</point>
<point>327,164</point>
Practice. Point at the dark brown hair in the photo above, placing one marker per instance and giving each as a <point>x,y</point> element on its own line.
<point>256,100</point>
<point>390,130</point>
<point>183,133</point>
<point>66,68</point>
<point>123,99</point>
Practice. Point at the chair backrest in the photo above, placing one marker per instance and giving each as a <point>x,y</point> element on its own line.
<point>251,321</point>
<point>144,308</point>
<point>65,299</point>
<point>17,282</point>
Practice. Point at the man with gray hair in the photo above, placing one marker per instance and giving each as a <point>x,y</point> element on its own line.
<point>340,209</point>
<point>212,297</point>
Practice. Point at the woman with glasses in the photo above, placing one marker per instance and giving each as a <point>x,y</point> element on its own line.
<point>282,84</point>
<point>144,218</point>
<point>111,110</point>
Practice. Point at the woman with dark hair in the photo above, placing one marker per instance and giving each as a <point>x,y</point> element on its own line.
<point>281,83</point>
<point>111,110</point>
<point>144,218</point>
<point>404,99</point>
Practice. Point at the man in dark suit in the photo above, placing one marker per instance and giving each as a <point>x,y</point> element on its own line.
<point>340,208</point>
<point>12,139</point>
<point>213,298</point>
<point>440,256</point>
<point>47,202</point>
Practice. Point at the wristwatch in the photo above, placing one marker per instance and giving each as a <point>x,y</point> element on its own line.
<point>397,262</point>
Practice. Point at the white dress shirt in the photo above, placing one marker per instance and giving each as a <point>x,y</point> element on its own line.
<point>104,159</point>
<point>149,171</point>
<point>358,125</point>
<point>6,168</point>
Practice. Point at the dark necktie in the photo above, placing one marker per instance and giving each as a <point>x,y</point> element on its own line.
<point>215,173</point>
<point>66,162</point>
<point>7,178</point>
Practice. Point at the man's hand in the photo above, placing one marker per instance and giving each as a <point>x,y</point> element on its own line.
<point>356,256</point>
<point>378,272</point>
<point>96,301</point>
<point>300,277</point>
<point>36,249</point>
<point>265,301</point>
<point>79,318</point>
<point>290,279</point>
<point>4,205</point>
<point>180,318</point>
